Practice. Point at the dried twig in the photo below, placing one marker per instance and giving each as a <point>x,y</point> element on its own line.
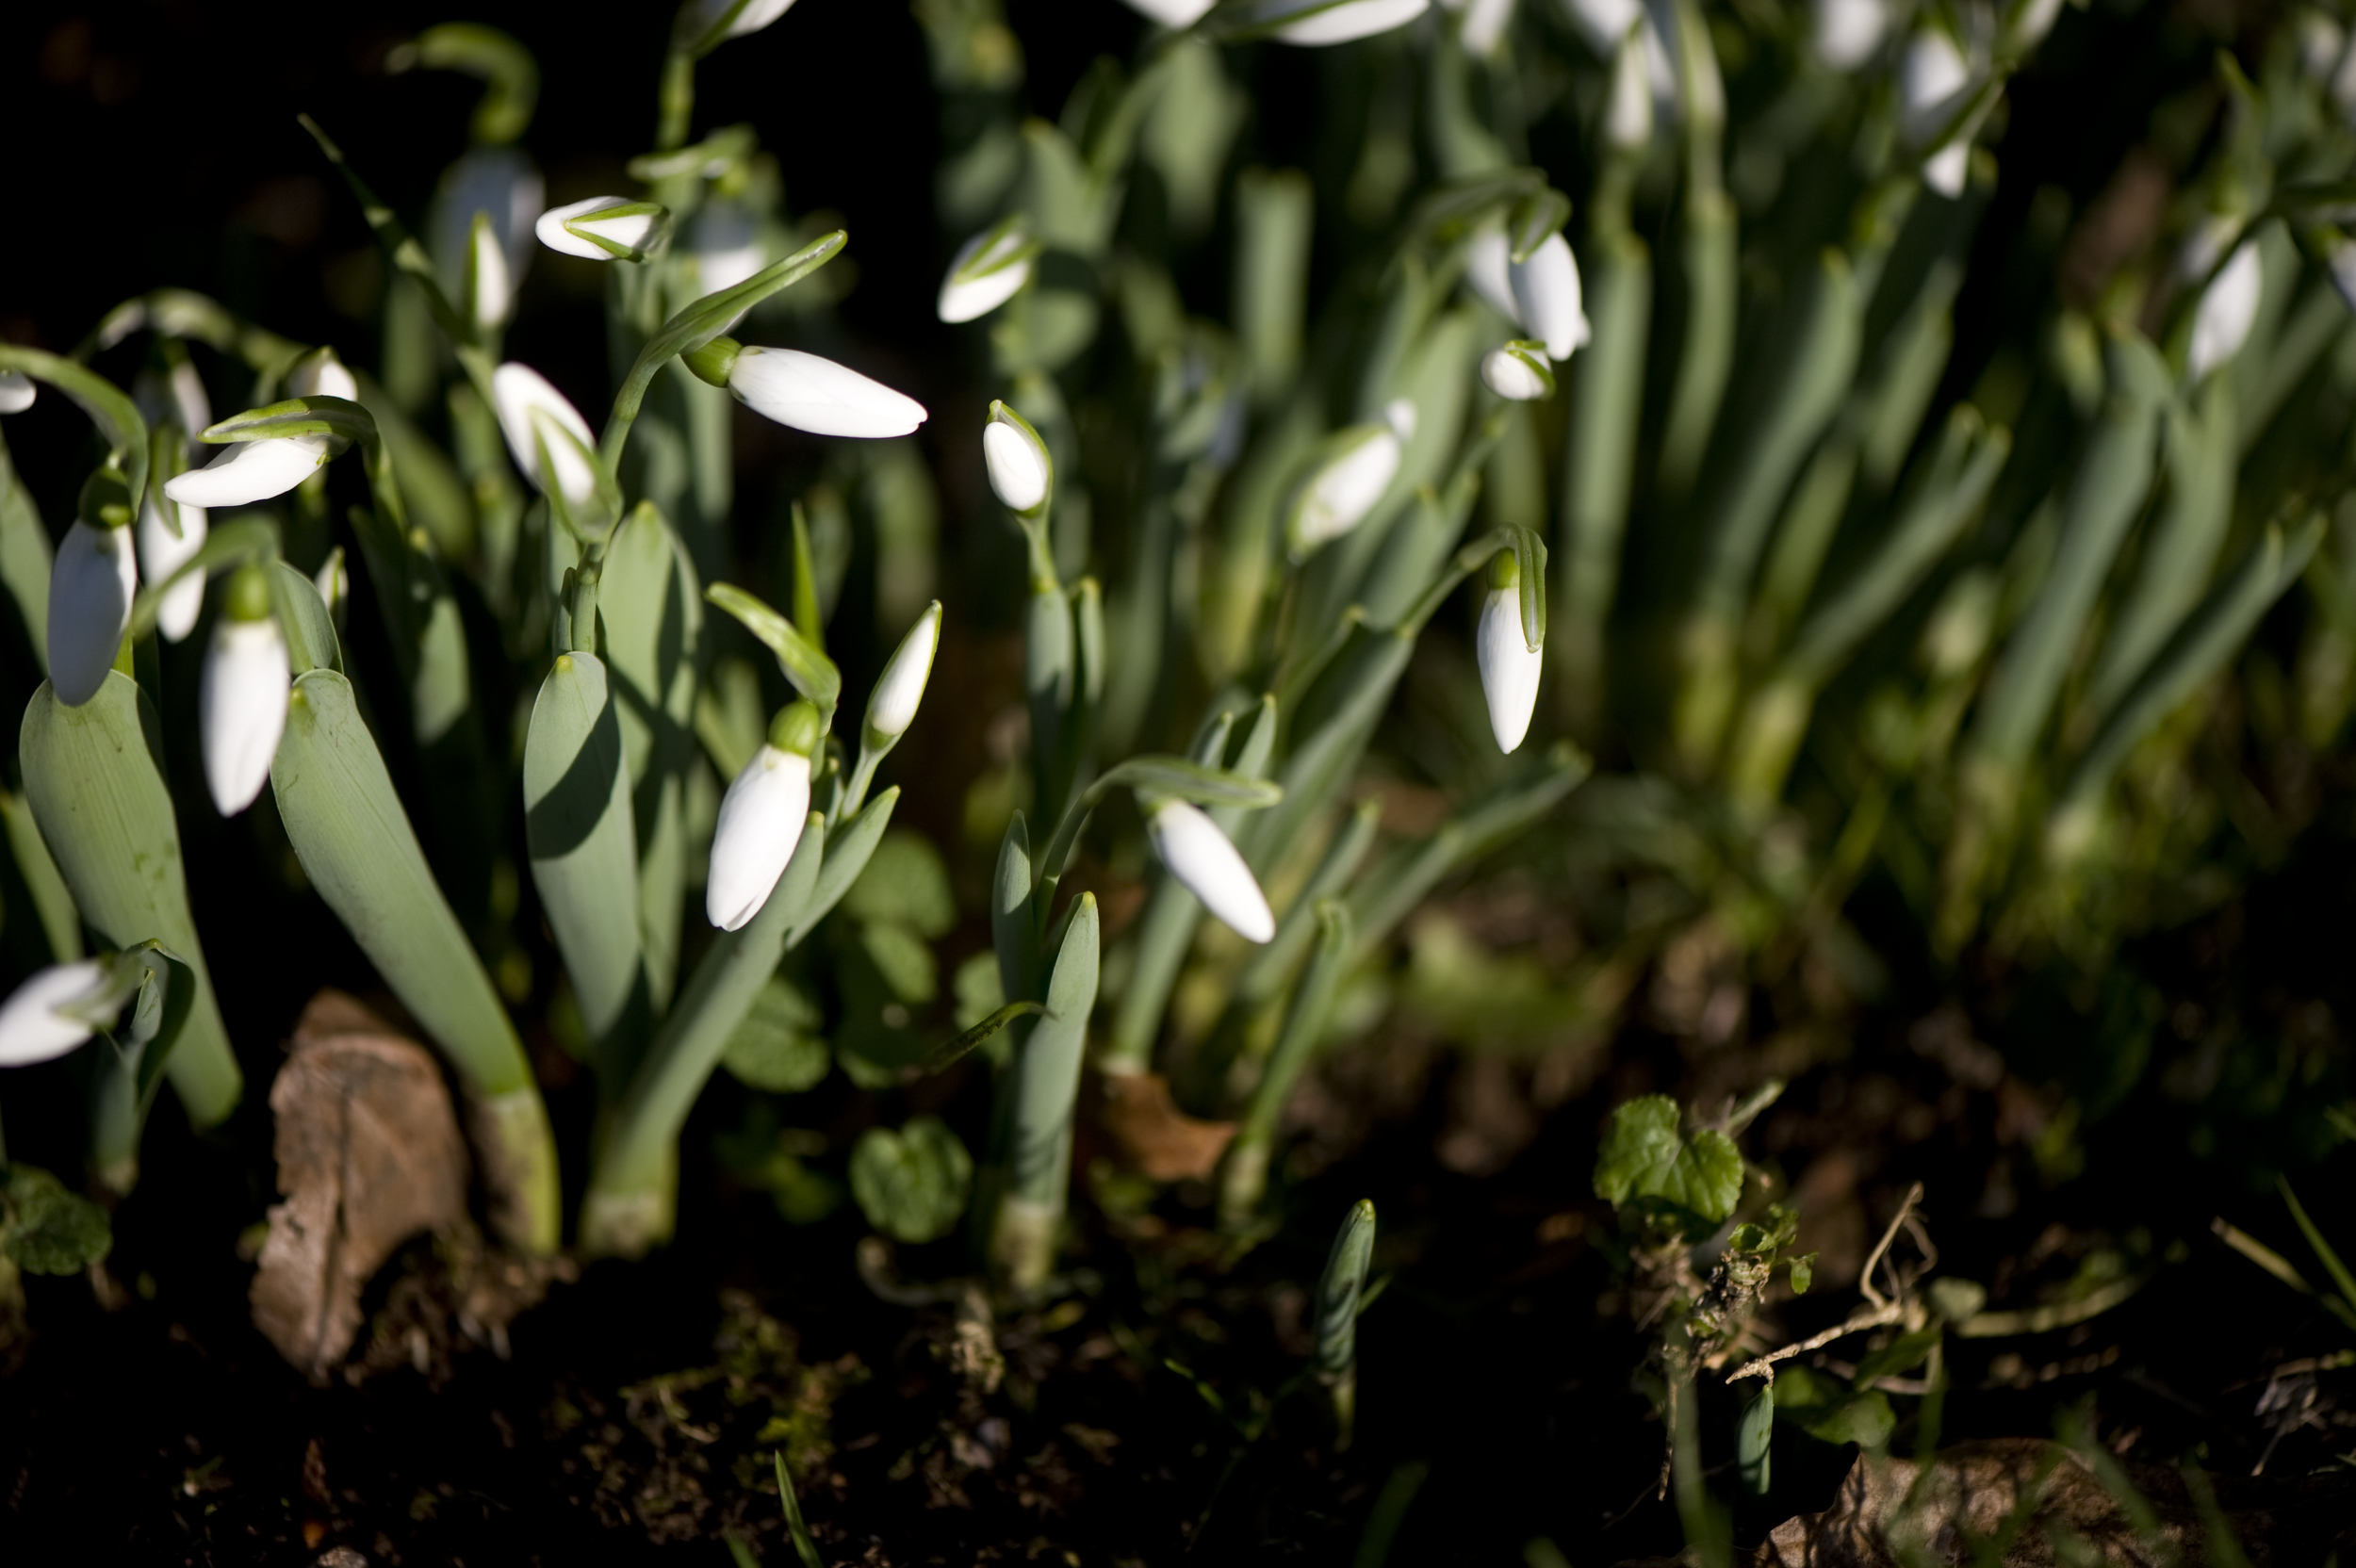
<point>1883,1312</point>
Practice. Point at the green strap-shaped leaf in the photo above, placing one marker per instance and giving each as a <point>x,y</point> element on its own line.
<point>92,779</point>
<point>311,640</point>
<point>24,556</point>
<point>811,672</point>
<point>61,923</point>
<point>1044,1094</point>
<point>583,841</point>
<point>850,846</point>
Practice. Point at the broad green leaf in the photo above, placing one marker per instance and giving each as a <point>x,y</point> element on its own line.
<point>106,817</point>
<point>902,958</point>
<point>729,717</point>
<point>583,842</point>
<point>1646,1156</point>
<point>1831,1413</point>
<point>48,1230</point>
<point>912,1184</point>
<point>1903,1354</point>
<point>24,556</point>
<point>311,640</point>
<point>905,883</point>
<point>778,1048</point>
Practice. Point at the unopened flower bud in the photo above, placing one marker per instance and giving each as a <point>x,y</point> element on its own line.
<point>536,418</point>
<point>1206,864</point>
<point>320,374</point>
<point>725,243</point>
<point>500,185</point>
<point>1021,470</point>
<point>710,22</point>
<point>891,706</point>
<point>241,703</point>
<point>761,818</point>
<point>31,1027</point>
<point>988,270</point>
<point>250,471</point>
<point>1359,469</point>
<point>1845,33</point>
<point>1547,299</point>
<point>805,392</point>
<point>1518,371</point>
<point>1172,13</point>
<point>161,554</point>
<point>603,228</point>
<point>1489,271</point>
<point>17,392</point>
<point>1324,21</point>
<point>2228,309</point>
<point>1933,81</point>
<point>1509,665</point>
<point>91,584</point>
<point>1628,111</point>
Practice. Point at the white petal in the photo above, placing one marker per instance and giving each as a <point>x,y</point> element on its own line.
<point>1016,472</point>
<point>532,414</point>
<point>1342,494</point>
<point>1356,19</point>
<point>493,292</point>
<point>971,298</point>
<point>1932,80</point>
<point>1172,13</point>
<point>250,471</point>
<point>241,709</point>
<point>2229,307</point>
<point>901,687</point>
<point>1628,112</point>
<point>320,376</point>
<point>758,14</point>
<point>724,241</point>
<point>1946,168</point>
<point>1508,667</point>
<point>1204,861</point>
<point>1603,23</point>
<point>1545,288</point>
<point>1485,22</point>
<point>761,820</point>
<point>90,588</point>
<point>1488,267</point>
<point>1509,376</point>
<point>17,392</point>
<point>160,555</point>
<point>499,183</point>
<point>1845,33</point>
<point>30,1029</point>
<point>808,393</point>
<point>1399,413</point>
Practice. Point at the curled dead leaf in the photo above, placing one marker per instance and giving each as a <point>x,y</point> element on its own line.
<point>1151,1135</point>
<point>369,1155</point>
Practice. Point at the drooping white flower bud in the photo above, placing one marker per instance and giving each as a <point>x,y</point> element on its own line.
<point>501,184</point>
<point>1845,33</point>
<point>320,374</point>
<point>1489,271</point>
<point>1205,862</point>
<point>602,228</point>
<point>490,287</point>
<point>725,243</point>
<point>536,416</point>
<point>2228,309</point>
<point>1627,111</point>
<point>1509,665</point>
<point>175,395</point>
<point>1336,499</point>
<point>91,587</point>
<point>334,582</point>
<point>708,16</point>
<point>1172,13</point>
<point>1484,23</point>
<point>31,1028</point>
<point>988,270</point>
<point>1547,292</point>
<point>1933,82</point>
<point>17,392</point>
<point>251,471</point>
<point>1400,415</point>
<point>1327,22</point>
<point>1021,470</point>
<point>805,392</point>
<point>241,703</point>
<point>761,819</point>
<point>160,555</point>
<point>1518,371</point>
<point>891,706</point>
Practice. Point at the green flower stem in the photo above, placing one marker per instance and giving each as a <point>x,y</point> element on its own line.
<point>630,1206</point>
<point>1045,1092</point>
<point>1243,1180</point>
<point>53,901</point>
<point>1607,396</point>
<point>677,100</point>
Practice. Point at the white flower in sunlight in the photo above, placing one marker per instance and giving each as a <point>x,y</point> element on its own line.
<point>250,471</point>
<point>1021,470</point>
<point>1547,292</point>
<point>1509,665</point>
<point>1483,26</point>
<point>501,184</point>
<point>535,415</point>
<point>31,1027</point>
<point>1206,864</point>
<point>808,393</point>
<point>1845,33</point>
<point>1518,371</point>
<point>891,706</point>
<point>1172,13</point>
<point>17,392</point>
<point>1489,271</point>
<point>601,228</point>
<point>91,586</point>
<point>1338,495</point>
<point>988,270</point>
<point>1934,82</point>
<point>320,374</point>
<point>761,819</point>
<point>241,703</point>
<point>725,243</point>
<point>160,555</point>
<point>2228,309</point>
<point>1319,23</point>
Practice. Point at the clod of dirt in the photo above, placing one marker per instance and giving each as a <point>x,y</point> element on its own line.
<point>2035,1495</point>
<point>1155,1137</point>
<point>369,1155</point>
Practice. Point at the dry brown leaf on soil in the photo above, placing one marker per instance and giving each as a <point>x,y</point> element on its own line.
<point>1975,1490</point>
<point>369,1155</point>
<point>1155,1137</point>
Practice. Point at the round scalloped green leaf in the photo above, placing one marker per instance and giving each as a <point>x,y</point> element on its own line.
<point>1647,1160</point>
<point>778,1047</point>
<point>911,1184</point>
<point>49,1230</point>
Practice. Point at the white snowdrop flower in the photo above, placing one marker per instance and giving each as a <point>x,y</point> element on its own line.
<point>535,416</point>
<point>250,471</point>
<point>175,396</point>
<point>1545,289</point>
<point>1021,470</point>
<point>1399,413</point>
<point>988,270</point>
<point>160,555</point>
<point>2031,20</point>
<point>1518,371</point>
<point>1483,26</point>
<point>1338,495</point>
<point>241,703</point>
<point>91,587</point>
<point>725,243</point>
<point>805,392</point>
<point>751,17</point>
<point>501,184</point>
<point>1327,22</point>
<point>1628,112</point>
<point>1205,862</point>
<point>602,228</point>
<point>2228,309</point>
<point>1845,33</point>
<point>760,820</point>
<point>1605,23</point>
<point>891,706</point>
<point>1509,665</point>
<point>1489,271</point>
<point>17,392</point>
<point>1933,82</point>
<point>320,374</point>
<point>489,287</point>
<point>31,1028</point>
<point>334,582</point>
<point>1172,13</point>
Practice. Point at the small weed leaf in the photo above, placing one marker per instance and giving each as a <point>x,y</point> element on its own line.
<point>1649,1163</point>
<point>776,1048</point>
<point>48,1230</point>
<point>911,1184</point>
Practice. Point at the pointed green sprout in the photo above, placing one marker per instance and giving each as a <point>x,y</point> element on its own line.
<point>1341,1296</point>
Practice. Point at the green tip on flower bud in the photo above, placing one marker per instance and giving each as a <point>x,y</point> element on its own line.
<point>796,728</point>
<point>105,500</point>
<point>1505,573</point>
<point>714,359</point>
<point>246,597</point>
